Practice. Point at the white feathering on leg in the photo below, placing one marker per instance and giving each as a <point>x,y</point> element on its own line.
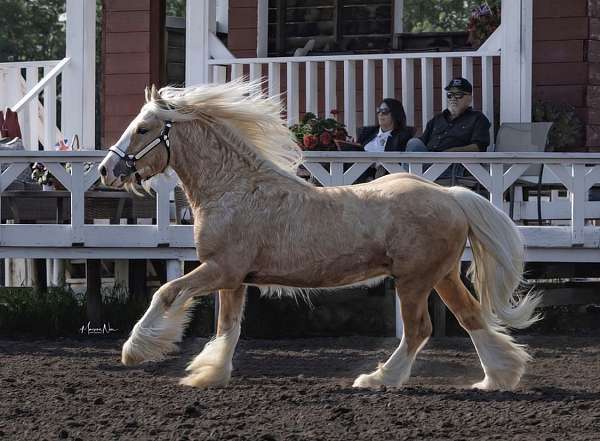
<point>502,359</point>
<point>213,366</point>
<point>158,331</point>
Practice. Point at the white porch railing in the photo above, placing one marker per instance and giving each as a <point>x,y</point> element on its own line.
<point>322,74</point>
<point>577,239</point>
<point>34,100</point>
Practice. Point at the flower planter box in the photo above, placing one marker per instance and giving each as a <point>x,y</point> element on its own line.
<point>431,41</point>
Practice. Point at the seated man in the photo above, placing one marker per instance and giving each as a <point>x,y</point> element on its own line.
<point>459,128</point>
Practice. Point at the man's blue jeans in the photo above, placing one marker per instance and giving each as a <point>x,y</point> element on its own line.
<point>416,145</point>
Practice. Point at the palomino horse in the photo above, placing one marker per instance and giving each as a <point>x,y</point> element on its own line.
<point>236,161</point>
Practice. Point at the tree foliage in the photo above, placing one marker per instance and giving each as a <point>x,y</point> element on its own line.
<point>30,30</point>
<point>176,8</point>
<point>439,15</point>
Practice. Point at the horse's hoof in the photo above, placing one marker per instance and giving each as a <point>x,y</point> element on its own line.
<point>207,376</point>
<point>128,358</point>
<point>366,381</point>
<point>486,385</point>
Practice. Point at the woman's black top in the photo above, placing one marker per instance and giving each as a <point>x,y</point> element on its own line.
<point>395,143</point>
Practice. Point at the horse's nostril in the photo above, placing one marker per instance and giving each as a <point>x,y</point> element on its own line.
<point>103,170</point>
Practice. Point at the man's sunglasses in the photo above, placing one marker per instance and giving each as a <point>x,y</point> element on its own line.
<point>382,111</point>
<point>457,95</point>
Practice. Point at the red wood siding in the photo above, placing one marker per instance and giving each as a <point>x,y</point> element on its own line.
<point>560,61</point>
<point>241,40</point>
<point>566,58</point>
<point>132,43</point>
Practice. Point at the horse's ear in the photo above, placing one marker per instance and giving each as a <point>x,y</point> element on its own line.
<point>147,94</point>
<point>154,93</point>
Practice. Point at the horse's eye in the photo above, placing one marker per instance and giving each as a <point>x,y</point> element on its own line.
<point>142,130</point>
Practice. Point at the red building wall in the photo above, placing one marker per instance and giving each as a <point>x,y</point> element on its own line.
<point>561,68</point>
<point>132,47</point>
<point>241,40</point>
<point>566,57</point>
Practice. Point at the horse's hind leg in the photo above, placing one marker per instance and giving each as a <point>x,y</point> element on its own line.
<point>503,360</point>
<point>162,325</point>
<point>213,366</point>
<point>417,329</point>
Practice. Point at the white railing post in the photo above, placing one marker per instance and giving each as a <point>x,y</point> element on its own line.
<point>255,71</point>
<point>31,110</point>
<point>368,92</point>
<point>526,66</point>
<point>77,204</point>
<point>219,74</point>
<point>49,113</point>
<point>389,82</point>
<point>174,269</point>
<point>262,28</point>
<point>516,61</point>
<point>330,87</point>
<point>350,96</point>
<point>293,104</point>
<point>237,71</point>
<point>426,89</point>
<point>79,76</point>
<point>274,79</point>
<point>487,92</point>
<point>467,68</point>
<point>311,87</point>
<point>446,77</point>
<point>578,199</point>
<point>497,184</point>
<point>15,90</point>
<point>200,21</point>
<point>408,90</point>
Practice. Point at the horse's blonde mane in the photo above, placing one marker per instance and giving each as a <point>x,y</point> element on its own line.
<point>239,104</point>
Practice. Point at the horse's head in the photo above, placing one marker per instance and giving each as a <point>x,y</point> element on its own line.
<point>142,151</point>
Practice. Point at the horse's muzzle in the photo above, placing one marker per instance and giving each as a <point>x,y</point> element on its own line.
<point>113,170</point>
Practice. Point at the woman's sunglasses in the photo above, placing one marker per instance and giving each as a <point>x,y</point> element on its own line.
<point>382,111</point>
<point>457,95</point>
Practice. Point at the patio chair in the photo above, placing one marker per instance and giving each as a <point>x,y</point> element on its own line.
<point>525,137</point>
<point>183,211</point>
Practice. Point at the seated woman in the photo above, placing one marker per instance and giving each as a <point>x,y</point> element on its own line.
<point>391,135</point>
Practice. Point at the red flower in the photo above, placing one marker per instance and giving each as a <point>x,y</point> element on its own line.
<point>310,141</point>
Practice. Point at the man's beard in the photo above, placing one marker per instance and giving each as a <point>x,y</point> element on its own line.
<point>453,108</point>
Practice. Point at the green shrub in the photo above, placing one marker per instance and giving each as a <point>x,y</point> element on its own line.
<point>62,312</point>
<point>567,133</point>
<point>51,312</point>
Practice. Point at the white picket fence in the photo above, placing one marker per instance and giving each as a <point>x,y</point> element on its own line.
<point>30,89</point>
<point>321,79</point>
<point>575,237</point>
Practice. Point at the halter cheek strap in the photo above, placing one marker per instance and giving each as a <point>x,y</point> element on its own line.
<point>130,160</point>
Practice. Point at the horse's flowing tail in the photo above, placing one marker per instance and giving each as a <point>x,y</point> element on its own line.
<point>497,266</point>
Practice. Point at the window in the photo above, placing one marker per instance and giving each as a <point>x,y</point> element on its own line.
<point>334,25</point>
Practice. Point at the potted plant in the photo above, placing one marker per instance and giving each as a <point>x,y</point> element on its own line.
<point>314,133</point>
<point>41,175</point>
<point>483,22</point>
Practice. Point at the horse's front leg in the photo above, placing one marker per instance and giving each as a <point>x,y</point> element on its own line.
<point>213,366</point>
<point>162,326</point>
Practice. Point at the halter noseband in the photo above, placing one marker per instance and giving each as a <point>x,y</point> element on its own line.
<point>130,160</point>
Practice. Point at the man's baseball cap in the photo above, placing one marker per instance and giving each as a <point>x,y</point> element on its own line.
<point>460,84</point>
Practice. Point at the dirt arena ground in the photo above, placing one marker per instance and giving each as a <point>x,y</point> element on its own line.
<point>295,390</point>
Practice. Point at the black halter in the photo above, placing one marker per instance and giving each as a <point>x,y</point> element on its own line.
<point>128,161</point>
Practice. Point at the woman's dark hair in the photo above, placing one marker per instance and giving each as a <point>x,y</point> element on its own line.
<point>397,112</point>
